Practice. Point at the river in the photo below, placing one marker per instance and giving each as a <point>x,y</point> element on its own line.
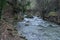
<point>38,29</point>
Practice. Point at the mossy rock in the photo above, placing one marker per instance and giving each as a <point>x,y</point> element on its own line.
<point>52,14</point>
<point>29,16</point>
<point>21,18</point>
<point>26,24</point>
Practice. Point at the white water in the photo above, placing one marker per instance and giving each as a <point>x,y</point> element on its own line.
<point>38,29</point>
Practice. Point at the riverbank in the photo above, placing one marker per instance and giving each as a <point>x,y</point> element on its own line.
<point>52,20</point>
<point>8,32</point>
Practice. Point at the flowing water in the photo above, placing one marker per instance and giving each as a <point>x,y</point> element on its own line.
<point>38,29</point>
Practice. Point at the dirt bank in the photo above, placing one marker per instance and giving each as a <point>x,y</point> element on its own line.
<point>8,32</point>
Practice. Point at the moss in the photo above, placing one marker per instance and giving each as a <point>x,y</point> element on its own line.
<point>52,14</point>
<point>26,24</point>
<point>29,16</point>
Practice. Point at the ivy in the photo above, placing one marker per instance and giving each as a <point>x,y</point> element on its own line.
<point>2,4</point>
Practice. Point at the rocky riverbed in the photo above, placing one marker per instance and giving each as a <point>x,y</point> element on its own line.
<point>37,29</point>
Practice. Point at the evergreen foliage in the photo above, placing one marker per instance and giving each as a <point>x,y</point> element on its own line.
<point>2,4</point>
